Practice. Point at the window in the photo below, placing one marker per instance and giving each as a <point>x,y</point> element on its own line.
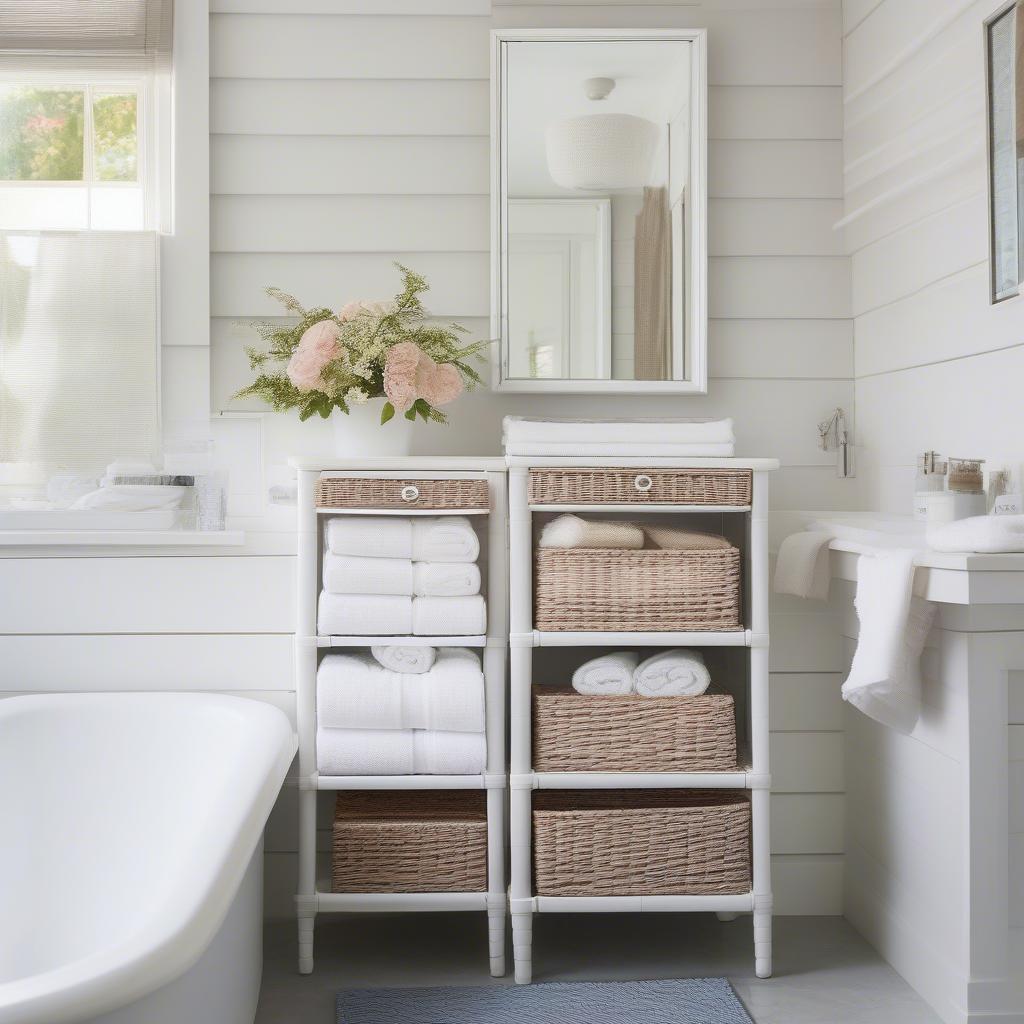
<point>72,156</point>
<point>1006,152</point>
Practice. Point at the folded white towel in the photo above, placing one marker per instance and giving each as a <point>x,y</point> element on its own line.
<point>444,539</point>
<point>608,449</point>
<point>399,752</point>
<point>411,660</point>
<point>370,536</point>
<point>356,574</point>
<point>609,674</point>
<point>131,498</point>
<point>884,680</point>
<point>364,615</point>
<point>449,616</point>
<point>802,568</point>
<point>983,534</point>
<point>668,538</point>
<point>569,531</point>
<point>445,579</point>
<point>678,673</point>
<point>635,431</point>
<point>354,692</point>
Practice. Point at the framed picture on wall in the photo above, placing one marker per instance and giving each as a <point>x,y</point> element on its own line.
<point>1006,149</point>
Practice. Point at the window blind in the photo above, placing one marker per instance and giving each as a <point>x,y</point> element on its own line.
<point>78,352</point>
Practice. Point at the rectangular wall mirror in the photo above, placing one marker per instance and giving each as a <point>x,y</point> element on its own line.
<point>599,210</point>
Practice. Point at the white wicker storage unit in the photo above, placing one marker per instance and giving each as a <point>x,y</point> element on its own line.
<point>744,523</point>
<point>315,895</point>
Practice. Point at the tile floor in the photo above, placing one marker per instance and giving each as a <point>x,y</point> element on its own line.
<point>824,972</point>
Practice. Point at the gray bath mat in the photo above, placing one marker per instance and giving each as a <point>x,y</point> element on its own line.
<point>687,1001</point>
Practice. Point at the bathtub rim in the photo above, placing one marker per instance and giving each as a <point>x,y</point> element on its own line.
<point>167,947</point>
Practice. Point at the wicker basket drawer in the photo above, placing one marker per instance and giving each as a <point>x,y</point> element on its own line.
<point>640,842</point>
<point>433,841</point>
<point>573,732</point>
<point>376,492</point>
<point>637,591</point>
<point>640,486</point>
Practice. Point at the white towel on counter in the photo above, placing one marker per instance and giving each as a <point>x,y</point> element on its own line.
<point>364,615</point>
<point>399,658</point>
<point>449,616</point>
<point>370,536</point>
<point>802,567</point>
<point>885,681</point>
<point>677,673</point>
<point>610,449</point>
<point>357,574</point>
<point>445,579</point>
<point>399,752</point>
<point>444,539</point>
<point>569,531</point>
<point>982,534</point>
<point>354,692</point>
<point>523,429</point>
<point>610,674</point>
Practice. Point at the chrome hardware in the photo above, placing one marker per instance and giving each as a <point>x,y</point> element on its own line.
<point>410,493</point>
<point>643,482</point>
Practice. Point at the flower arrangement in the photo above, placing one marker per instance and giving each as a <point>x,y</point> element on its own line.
<point>366,350</point>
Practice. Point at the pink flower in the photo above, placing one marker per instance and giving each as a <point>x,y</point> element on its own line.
<point>409,373</point>
<point>438,384</point>
<point>353,309</point>
<point>318,346</point>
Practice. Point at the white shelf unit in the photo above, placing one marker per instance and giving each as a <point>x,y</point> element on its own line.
<point>752,773</point>
<point>315,896</point>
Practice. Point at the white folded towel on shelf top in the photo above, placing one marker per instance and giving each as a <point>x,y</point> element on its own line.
<point>645,450</point>
<point>357,574</point>
<point>445,579</point>
<point>677,673</point>
<point>982,534</point>
<point>354,692</point>
<point>444,539</point>
<point>449,616</point>
<point>370,536</point>
<point>523,429</point>
<point>399,752</point>
<point>569,531</point>
<point>610,674</point>
<point>364,615</point>
<point>401,658</point>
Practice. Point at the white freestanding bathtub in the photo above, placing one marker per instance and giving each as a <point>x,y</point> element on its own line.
<point>130,856</point>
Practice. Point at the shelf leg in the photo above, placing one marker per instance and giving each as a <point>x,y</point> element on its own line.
<point>763,943</point>
<point>306,920</point>
<point>522,946</point>
<point>496,935</point>
<point>497,886</point>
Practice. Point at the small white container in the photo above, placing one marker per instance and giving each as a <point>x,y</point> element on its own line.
<point>949,506</point>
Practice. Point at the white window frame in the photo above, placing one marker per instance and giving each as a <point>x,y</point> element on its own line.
<point>96,82</point>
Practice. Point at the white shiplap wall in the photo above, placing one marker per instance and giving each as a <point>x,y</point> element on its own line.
<point>349,133</point>
<point>937,366</point>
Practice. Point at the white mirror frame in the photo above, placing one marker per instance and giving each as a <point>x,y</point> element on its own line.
<point>696,382</point>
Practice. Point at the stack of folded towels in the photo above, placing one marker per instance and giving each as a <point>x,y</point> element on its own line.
<point>405,711</point>
<point>678,673</point>
<point>569,531</point>
<point>394,575</point>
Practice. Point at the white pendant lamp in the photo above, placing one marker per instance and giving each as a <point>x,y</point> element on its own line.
<point>596,152</point>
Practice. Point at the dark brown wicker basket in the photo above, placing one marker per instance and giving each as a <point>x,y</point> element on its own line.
<point>582,486</point>
<point>376,492</point>
<point>637,591</point>
<point>574,732</point>
<point>641,842</point>
<point>424,841</point>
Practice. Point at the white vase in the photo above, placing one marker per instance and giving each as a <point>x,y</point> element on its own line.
<point>361,433</point>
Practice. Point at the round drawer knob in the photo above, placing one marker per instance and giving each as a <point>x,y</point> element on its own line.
<point>410,493</point>
<point>643,482</point>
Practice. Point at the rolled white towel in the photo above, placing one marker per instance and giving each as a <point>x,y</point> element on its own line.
<point>399,752</point>
<point>356,574</point>
<point>668,538</point>
<point>569,531</point>
<point>371,536</point>
<point>411,660</point>
<point>364,615</point>
<point>678,673</point>
<point>449,616</point>
<point>444,539</point>
<point>354,692</point>
<point>445,579</point>
<point>610,674</point>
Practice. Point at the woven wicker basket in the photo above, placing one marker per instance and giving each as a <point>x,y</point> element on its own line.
<point>577,733</point>
<point>374,492</point>
<point>635,486</point>
<point>637,591</point>
<point>640,842</point>
<point>432,841</point>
